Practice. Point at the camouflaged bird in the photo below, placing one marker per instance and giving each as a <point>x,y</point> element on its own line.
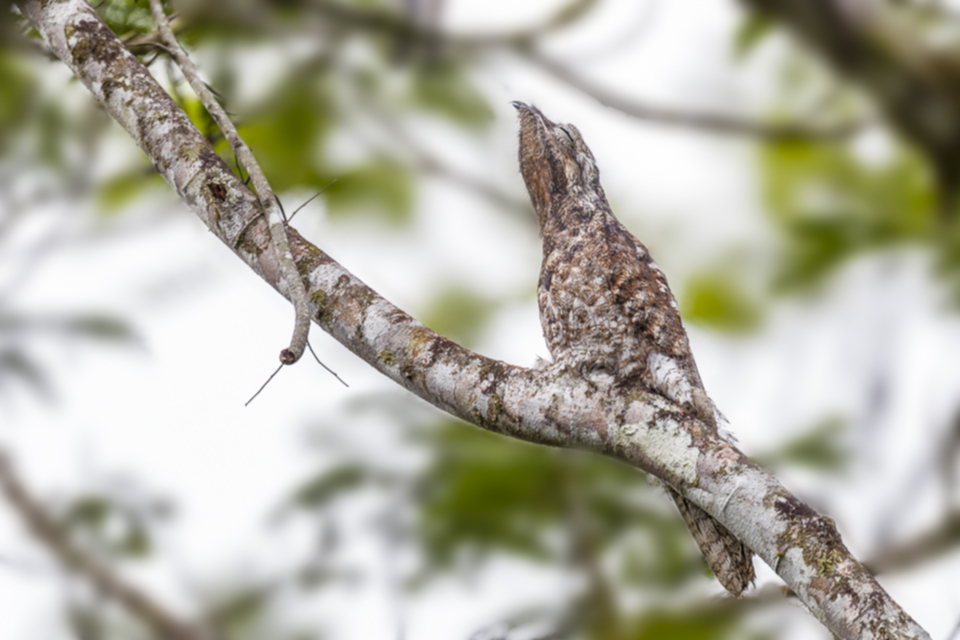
<point>605,306</point>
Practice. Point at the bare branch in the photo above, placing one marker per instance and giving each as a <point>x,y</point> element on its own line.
<point>263,386</point>
<point>926,546</point>
<point>278,227</point>
<point>52,536</point>
<point>550,405</point>
<point>671,116</point>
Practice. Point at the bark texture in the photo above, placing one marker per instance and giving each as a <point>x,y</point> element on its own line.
<point>553,405</point>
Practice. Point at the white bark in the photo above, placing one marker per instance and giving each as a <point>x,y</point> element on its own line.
<point>549,406</point>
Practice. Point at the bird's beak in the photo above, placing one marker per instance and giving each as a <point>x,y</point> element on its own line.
<point>524,108</point>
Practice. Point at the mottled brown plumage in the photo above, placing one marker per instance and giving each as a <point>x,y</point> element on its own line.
<point>605,306</point>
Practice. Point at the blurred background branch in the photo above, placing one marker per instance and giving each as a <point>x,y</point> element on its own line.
<point>55,538</point>
<point>924,547</point>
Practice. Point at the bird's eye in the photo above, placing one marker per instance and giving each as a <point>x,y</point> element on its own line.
<point>564,129</point>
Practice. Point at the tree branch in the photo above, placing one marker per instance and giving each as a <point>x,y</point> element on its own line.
<point>551,405</point>
<point>916,87</point>
<point>52,536</point>
<point>291,277</point>
<point>522,43</point>
<point>672,116</point>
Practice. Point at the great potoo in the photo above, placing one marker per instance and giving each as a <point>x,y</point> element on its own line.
<point>605,306</point>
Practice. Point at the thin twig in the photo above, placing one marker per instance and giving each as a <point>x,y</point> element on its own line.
<point>47,532</point>
<point>263,386</point>
<point>278,231</point>
<point>236,161</point>
<point>312,198</point>
<point>156,45</point>
<point>332,372</point>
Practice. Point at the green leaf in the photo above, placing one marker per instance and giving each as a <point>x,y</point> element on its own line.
<point>14,364</point>
<point>484,494</point>
<point>703,620</point>
<point>240,611</point>
<point>100,327</point>
<point>459,314</point>
<point>288,135</point>
<point>17,97</point>
<point>829,205</point>
<point>664,555</point>
<point>89,511</point>
<point>135,543</point>
<point>124,16</point>
<point>54,132</point>
<point>716,300</point>
<point>330,484</point>
<point>120,190</point>
<point>822,448</point>
<point>751,31</point>
<point>445,89</point>
<point>380,188</point>
<point>199,116</point>
<point>110,524</point>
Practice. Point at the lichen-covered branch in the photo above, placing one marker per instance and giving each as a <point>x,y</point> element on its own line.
<point>551,405</point>
<point>45,529</point>
<point>291,278</point>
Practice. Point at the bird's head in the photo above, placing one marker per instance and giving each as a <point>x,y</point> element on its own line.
<point>555,162</point>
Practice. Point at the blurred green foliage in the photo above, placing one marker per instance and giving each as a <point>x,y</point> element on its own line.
<point>126,16</point>
<point>18,367</point>
<point>831,204</point>
<point>287,137</point>
<point>329,484</point>
<point>114,523</point>
<point>717,299</point>
<point>717,620</point>
<point>381,187</point>
<point>18,333</point>
<point>751,31</point>
<point>485,493</point>
<point>444,88</point>
<point>459,314</point>
<point>119,191</point>
<point>822,447</point>
<point>17,97</point>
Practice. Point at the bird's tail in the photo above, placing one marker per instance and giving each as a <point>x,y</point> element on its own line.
<point>730,560</point>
